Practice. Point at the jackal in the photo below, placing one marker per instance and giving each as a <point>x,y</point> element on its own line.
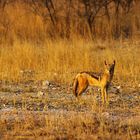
<point>85,79</point>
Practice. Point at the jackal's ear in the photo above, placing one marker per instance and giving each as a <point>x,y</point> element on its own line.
<point>114,62</point>
<point>105,62</point>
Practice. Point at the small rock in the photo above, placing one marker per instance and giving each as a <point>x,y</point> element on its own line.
<point>40,94</point>
<point>118,87</point>
<point>105,114</point>
<point>54,88</point>
<point>45,83</point>
<point>4,105</point>
<point>45,87</point>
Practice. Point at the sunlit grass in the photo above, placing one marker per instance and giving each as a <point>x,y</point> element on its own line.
<point>60,60</point>
<point>31,50</point>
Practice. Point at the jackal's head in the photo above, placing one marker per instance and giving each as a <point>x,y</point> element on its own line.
<point>109,68</point>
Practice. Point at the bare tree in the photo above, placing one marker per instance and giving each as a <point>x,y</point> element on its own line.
<point>62,15</point>
<point>68,18</point>
<point>125,5</point>
<point>92,10</point>
<point>3,4</point>
<point>44,8</point>
<point>50,6</point>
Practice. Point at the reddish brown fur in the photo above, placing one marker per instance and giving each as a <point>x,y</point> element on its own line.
<point>85,79</point>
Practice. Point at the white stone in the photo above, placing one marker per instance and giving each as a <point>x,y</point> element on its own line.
<point>40,93</point>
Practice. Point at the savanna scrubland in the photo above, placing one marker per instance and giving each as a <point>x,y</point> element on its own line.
<point>44,44</point>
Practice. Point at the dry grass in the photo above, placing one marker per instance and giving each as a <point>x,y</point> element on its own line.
<point>32,51</point>
<point>68,126</point>
<point>61,117</point>
<point>60,59</point>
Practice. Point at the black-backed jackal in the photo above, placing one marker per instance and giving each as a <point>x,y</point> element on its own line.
<point>85,79</point>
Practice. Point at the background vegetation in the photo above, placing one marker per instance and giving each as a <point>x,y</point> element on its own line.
<point>55,39</point>
<point>44,44</point>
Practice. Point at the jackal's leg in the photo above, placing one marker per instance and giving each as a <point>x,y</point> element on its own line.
<point>103,95</point>
<point>107,98</point>
<point>106,95</point>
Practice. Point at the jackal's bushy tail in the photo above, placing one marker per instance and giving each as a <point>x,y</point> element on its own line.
<point>75,86</point>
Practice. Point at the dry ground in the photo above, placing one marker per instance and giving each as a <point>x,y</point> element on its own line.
<point>33,108</point>
<point>31,50</point>
<point>27,114</point>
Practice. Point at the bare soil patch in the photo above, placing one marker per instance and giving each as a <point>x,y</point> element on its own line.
<point>31,110</point>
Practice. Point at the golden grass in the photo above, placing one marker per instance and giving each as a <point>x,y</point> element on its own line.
<point>60,60</point>
<point>28,53</point>
<point>96,124</point>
